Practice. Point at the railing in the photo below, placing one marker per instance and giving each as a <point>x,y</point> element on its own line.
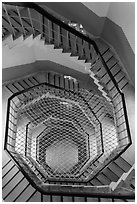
<point>21,135</point>
<point>93,166</point>
<point>60,33</point>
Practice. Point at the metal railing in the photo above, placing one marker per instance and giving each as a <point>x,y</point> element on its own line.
<point>77,43</point>
<point>21,136</point>
<point>93,166</point>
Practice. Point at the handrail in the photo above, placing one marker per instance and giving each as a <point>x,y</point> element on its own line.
<point>87,39</point>
<point>53,86</point>
<point>80,35</point>
<point>79,191</point>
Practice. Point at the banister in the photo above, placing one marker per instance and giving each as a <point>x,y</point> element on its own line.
<point>75,191</point>
<point>86,38</point>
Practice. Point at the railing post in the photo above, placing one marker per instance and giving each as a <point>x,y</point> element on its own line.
<point>13,32</point>
<point>26,140</point>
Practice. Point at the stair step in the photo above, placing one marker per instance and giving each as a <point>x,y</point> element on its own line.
<point>76,86</point>
<point>79,199</point>
<point>19,86</point>
<point>24,84</point>
<point>35,17</point>
<point>56,198</point>
<point>115,69</point>
<point>89,199</point>
<point>71,84</point>
<point>12,88</point>
<point>123,83</point>
<point>5,160</point>
<point>96,182</point>
<point>8,188</point>
<point>106,200</point>
<point>47,198</point>
<point>34,197</point>
<point>62,84</point>
<point>67,199</point>
<point>112,62</point>
<point>123,164</point>
<point>9,165</point>
<point>6,24</point>
<point>119,76</point>
<point>104,179</point>
<point>33,80</point>
<point>9,174</point>
<point>17,190</point>
<point>102,46</point>
<point>120,200</point>
<point>80,48</point>
<point>66,82</point>
<point>57,80</point>
<point>51,79</point>
<point>41,78</point>
<point>118,171</point>
<point>29,82</point>
<point>110,175</point>
<point>56,35</point>
<point>24,196</point>
<point>107,55</point>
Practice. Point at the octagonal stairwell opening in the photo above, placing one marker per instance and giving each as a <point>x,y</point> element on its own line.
<point>61,134</point>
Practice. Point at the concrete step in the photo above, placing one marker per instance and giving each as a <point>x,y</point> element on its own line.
<point>123,164</point>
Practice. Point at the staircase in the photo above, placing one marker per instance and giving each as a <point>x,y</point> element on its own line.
<point>24,21</point>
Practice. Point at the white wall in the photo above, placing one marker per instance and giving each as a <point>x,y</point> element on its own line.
<point>100,8</point>
<point>23,54</point>
<point>121,13</point>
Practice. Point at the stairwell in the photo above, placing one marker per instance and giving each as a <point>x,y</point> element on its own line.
<point>113,172</point>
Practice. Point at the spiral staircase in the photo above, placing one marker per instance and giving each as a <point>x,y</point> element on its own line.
<point>64,143</point>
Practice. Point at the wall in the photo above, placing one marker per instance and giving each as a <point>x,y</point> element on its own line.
<point>100,8</point>
<point>123,14</point>
<point>114,35</point>
<point>92,16</point>
<point>76,11</point>
<point>25,54</point>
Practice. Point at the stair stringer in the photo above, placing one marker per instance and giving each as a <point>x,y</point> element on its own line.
<point>30,41</point>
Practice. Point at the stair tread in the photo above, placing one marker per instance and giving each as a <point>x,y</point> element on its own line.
<point>67,199</point>
<point>7,167</point>
<point>46,198</point>
<point>29,82</point>
<point>110,174</point>
<point>16,191</point>
<point>56,198</point>
<point>89,199</point>
<point>34,197</point>
<point>107,55</point>
<point>19,87</point>
<point>104,179</point>
<point>33,80</point>
<point>123,164</point>
<point>96,182</point>
<point>79,199</point>
<point>40,78</point>
<point>25,195</point>
<point>118,171</point>
<point>12,183</point>
<point>102,46</point>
